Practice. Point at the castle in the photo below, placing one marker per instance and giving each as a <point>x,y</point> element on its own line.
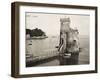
<point>69,40</point>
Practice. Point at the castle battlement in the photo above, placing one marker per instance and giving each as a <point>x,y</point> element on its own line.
<point>65,20</point>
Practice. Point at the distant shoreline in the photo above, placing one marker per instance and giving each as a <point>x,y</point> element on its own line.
<point>38,37</point>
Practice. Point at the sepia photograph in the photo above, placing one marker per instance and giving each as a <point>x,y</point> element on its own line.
<point>54,39</point>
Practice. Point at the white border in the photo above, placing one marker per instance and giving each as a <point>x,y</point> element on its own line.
<point>53,69</point>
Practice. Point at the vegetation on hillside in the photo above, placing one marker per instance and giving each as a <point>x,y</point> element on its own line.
<point>35,32</point>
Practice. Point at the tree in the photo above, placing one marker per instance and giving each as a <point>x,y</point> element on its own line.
<point>35,32</point>
<point>28,31</point>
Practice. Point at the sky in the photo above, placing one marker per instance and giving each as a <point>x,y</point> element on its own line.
<point>50,23</point>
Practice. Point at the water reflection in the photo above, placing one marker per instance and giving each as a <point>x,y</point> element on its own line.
<point>69,59</point>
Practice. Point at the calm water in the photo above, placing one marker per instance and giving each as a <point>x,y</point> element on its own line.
<point>42,47</point>
<point>47,47</point>
<point>84,55</point>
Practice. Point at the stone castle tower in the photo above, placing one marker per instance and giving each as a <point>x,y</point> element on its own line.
<point>68,36</point>
<point>65,24</point>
